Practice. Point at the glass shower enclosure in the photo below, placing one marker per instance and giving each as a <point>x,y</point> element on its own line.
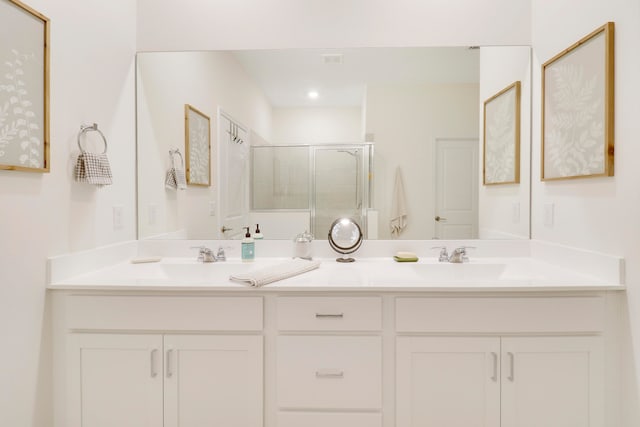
<point>329,181</point>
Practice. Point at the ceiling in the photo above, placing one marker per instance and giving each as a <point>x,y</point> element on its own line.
<point>340,76</point>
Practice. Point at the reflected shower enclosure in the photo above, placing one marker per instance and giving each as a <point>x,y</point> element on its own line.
<point>328,181</point>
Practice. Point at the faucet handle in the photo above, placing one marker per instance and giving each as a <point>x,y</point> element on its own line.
<point>444,255</point>
<point>221,256</point>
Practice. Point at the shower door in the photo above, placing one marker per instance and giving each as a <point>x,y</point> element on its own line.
<point>341,186</point>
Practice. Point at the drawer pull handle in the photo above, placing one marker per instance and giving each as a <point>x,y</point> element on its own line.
<point>330,315</point>
<point>329,373</point>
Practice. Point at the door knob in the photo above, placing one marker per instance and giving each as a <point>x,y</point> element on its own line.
<point>223,229</point>
<point>440,219</point>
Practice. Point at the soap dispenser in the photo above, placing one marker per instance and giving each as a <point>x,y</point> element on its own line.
<point>258,235</point>
<point>248,247</point>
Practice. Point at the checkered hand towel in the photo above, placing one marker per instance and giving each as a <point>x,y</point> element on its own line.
<point>175,178</point>
<point>93,169</point>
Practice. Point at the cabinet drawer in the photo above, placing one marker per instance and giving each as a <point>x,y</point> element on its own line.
<point>164,313</point>
<point>329,372</point>
<point>333,419</point>
<point>329,313</point>
<point>500,315</point>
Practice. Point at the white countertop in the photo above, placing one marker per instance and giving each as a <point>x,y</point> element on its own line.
<point>489,274</point>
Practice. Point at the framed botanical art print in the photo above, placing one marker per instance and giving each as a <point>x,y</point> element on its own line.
<point>501,147</point>
<point>24,88</point>
<point>578,109</point>
<point>198,146</point>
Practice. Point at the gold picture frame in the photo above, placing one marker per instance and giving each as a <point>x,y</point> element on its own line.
<point>24,88</point>
<point>197,129</point>
<point>578,109</point>
<point>501,142</point>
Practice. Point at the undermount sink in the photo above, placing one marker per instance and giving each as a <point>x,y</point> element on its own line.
<point>203,272</point>
<point>463,272</point>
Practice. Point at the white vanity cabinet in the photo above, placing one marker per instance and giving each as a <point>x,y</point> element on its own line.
<point>517,380</point>
<point>378,358</point>
<point>191,369</point>
<point>329,361</point>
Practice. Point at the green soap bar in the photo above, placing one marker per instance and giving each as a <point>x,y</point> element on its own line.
<point>398,259</point>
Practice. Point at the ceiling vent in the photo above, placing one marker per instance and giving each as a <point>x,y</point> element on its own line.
<point>332,58</point>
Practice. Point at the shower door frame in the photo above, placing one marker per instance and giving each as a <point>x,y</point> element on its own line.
<point>365,178</point>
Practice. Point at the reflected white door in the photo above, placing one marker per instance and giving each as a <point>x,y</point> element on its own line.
<point>456,205</point>
<point>234,177</point>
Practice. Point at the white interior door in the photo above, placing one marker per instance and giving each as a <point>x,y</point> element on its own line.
<point>234,177</point>
<point>456,205</point>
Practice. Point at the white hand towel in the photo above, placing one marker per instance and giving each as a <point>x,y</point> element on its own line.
<point>262,276</point>
<point>398,206</point>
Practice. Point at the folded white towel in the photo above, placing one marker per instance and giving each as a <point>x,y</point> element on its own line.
<point>93,169</point>
<point>262,276</point>
<point>398,206</point>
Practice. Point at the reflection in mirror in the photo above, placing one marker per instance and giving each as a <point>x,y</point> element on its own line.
<point>345,237</point>
<point>311,160</point>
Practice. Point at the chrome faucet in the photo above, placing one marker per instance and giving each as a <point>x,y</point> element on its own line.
<point>205,254</point>
<point>458,256</point>
<point>221,256</point>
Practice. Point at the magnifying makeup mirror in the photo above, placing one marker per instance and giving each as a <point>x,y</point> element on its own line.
<point>345,237</point>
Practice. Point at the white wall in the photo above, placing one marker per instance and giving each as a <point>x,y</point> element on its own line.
<point>311,125</point>
<point>499,68</point>
<point>405,122</point>
<point>600,214</point>
<point>166,84</point>
<point>93,45</point>
<point>239,24</point>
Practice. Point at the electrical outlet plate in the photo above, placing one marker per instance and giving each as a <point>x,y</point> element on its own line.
<point>118,217</point>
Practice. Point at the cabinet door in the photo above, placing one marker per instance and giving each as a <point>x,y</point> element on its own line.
<point>213,381</point>
<point>115,380</point>
<point>552,382</point>
<point>447,382</point>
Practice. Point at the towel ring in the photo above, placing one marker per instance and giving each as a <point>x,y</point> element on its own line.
<point>176,151</point>
<point>84,129</point>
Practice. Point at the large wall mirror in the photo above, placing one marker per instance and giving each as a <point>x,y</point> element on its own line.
<point>300,137</point>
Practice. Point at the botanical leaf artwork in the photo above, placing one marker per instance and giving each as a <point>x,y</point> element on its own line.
<point>500,139</point>
<point>198,149</point>
<point>574,114</point>
<point>20,123</point>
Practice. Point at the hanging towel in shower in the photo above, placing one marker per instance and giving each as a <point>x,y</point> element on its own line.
<point>398,206</point>
<point>93,168</point>
<point>175,178</point>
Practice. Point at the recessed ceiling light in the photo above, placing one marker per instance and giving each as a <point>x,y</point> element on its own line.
<point>313,94</point>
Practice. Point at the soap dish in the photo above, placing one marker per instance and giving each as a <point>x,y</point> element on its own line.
<point>405,257</point>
